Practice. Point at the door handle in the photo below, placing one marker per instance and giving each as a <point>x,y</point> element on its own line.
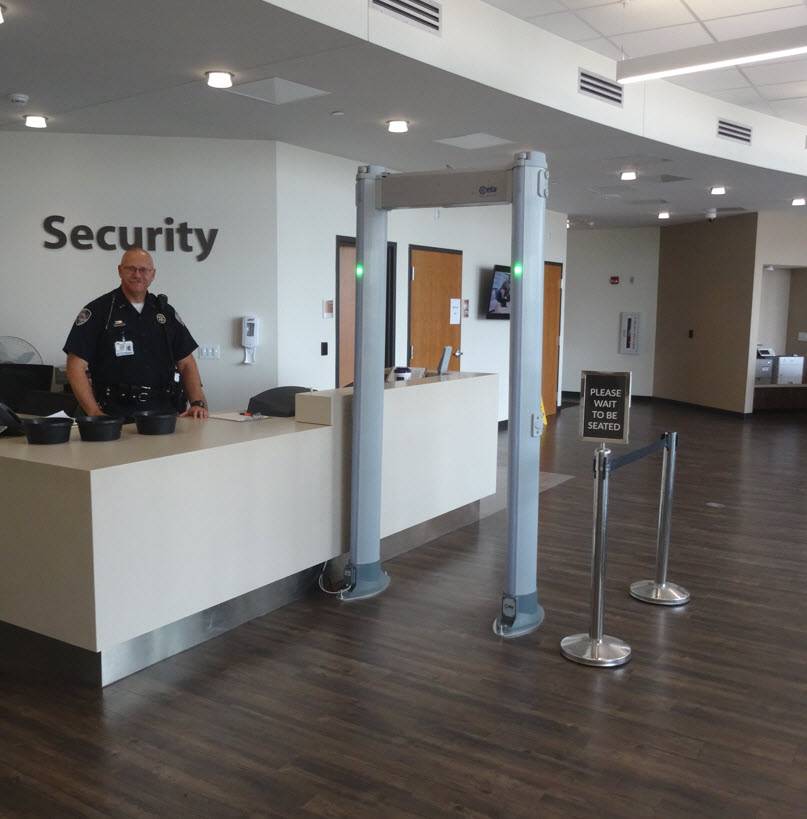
<point>458,353</point>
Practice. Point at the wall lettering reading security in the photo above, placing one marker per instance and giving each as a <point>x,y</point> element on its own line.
<point>110,237</point>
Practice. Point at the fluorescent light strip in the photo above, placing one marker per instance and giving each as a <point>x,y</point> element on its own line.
<point>800,202</point>
<point>743,51</point>
<point>718,190</point>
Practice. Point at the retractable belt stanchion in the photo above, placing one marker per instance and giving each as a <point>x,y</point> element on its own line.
<point>659,591</point>
<point>597,648</point>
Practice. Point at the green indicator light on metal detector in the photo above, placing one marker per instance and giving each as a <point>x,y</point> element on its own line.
<point>359,271</point>
<point>518,268</point>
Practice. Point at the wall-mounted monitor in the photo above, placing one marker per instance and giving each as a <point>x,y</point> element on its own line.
<point>499,300</point>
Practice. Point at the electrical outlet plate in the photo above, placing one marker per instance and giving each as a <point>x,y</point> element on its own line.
<point>210,352</point>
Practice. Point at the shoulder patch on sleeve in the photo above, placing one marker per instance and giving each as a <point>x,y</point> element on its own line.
<point>83,317</point>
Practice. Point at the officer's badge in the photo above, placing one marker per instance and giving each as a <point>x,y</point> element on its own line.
<point>83,317</point>
<point>161,319</point>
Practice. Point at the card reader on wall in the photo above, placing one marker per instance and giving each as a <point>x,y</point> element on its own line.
<point>249,338</point>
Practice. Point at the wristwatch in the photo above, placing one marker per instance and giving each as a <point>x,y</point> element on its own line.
<point>202,404</point>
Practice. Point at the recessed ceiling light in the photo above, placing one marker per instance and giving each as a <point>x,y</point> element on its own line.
<point>397,126</point>
<point>2,13</point>
<point>665,214</point>
<point>33,121</point>
<point>799,202</point>
<point>718,190</point>
<point>628,176</point>
<point>337,113</point>
<point>219,79</point>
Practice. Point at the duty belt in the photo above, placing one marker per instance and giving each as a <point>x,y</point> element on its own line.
<point>130,392</point>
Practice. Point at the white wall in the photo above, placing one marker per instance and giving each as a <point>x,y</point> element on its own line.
<point>773,310</point>
<point>593,305</point>
<point>138,181</point>
<point>316,202</point>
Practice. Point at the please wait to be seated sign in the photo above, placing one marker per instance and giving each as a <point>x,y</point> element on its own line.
<point>605,414</point>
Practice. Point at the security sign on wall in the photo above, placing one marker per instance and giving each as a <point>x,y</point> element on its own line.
<point>605,407</point>
<point>166,237</point>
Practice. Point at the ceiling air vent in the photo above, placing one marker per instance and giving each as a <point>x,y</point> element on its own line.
<point>594,85</point>
<point>733,130</point>
<point>421,13</point>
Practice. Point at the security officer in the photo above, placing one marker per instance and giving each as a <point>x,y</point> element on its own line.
<point>132,342</point>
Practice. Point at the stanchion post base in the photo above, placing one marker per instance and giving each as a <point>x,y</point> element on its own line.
<point>669,594</point>
<point>369,580</point>
<point>606,653</point>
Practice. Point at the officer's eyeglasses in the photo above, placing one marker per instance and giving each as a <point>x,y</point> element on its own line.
<point>130,268</point>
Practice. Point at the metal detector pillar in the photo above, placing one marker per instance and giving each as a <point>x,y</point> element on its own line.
<point>660,591</point>
<point>363,573</point>
<point>597,648</point>
<point>520,612</point>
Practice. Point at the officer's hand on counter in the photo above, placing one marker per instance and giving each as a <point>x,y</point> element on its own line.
<point>197,409</point>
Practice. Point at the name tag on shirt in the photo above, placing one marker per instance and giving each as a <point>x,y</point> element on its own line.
<point>124,348</point>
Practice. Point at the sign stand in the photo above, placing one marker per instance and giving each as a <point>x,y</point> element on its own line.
<point>604,416</point>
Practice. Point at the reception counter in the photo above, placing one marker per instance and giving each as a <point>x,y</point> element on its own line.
<point>105,546</point>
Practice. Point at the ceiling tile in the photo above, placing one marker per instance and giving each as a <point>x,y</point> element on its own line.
<point>746,25</point>
<point>639,15</point>
<point>708,81</point>
<point>793,110</point>
<point>527,8</point>
<point>777,72</point>
<point>584,4</point>
<point>604,47</point>
<point>709,9</point>
<point>473,142</point>
<point>642,43</point>
<point>565,25</point>
<point>784,91</point>
<point>740,96</point>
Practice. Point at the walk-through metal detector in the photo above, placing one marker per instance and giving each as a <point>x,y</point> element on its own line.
<point>525,186</point>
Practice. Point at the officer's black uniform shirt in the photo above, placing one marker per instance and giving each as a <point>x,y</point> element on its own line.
<point>157,345</point>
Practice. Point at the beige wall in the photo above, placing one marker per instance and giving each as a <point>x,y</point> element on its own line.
<point>797,317</point>
<point>706,284</point>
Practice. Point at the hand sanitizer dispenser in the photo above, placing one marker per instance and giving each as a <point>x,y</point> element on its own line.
<point>249,338</point>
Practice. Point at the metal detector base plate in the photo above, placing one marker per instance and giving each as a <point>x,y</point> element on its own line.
<point>363,590</point>
<point>606,653</point>
<point>670,594</point>
<point>523,624</point>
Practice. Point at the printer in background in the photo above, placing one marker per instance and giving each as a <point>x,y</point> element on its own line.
<point>764,368</point>
<point>778,369</point>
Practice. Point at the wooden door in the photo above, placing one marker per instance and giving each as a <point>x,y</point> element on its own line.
<point>435,286</point>
<point>553,273</point>
<point>346,309</point>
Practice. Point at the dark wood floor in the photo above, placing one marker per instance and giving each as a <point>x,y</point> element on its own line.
<point>407,706</point>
